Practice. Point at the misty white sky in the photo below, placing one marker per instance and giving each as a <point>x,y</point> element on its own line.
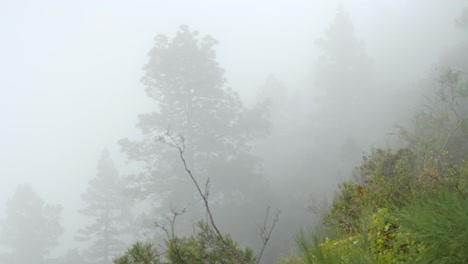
<point>70,70</point>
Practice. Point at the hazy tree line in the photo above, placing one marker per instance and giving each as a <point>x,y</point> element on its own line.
<point>232,150</point>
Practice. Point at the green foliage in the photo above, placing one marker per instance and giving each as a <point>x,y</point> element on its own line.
<point>441,224</point>
<point>408,205</point>
<point>390,242</point>
<point>290,258</point>
<point>392,180</point>
<point>383,240</point>
<point>346,210</point>
<point>139,253</point>
<point>396,211</point>
<point>384,179</point>
<point>205,247</point>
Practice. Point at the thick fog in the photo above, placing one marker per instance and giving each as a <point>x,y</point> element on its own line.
<point>332,77</point>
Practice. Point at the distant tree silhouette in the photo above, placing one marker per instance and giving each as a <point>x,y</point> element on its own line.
<point>30,229</point>
<point>188,86</point>
<point>344,67</point>
<point>107,206</point>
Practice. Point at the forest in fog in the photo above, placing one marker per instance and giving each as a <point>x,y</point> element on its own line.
<point>146,132</point>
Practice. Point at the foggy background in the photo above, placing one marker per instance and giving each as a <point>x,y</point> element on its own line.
<point>70,83</point>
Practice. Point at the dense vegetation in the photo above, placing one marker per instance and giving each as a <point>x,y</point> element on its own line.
<point>198,189</point>
<point>408,205</point>
<point>402,206</point>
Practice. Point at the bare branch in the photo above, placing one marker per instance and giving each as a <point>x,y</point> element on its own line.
<point>180,147</point>
<point>171,221</point>
<point>265,234</point>
<point>171,235</point>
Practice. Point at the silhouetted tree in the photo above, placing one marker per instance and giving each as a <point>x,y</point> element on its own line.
<point>30,229</point>
<point>344,78</point>
<point>109,210</point>
<point>188,86</point>
<point>344,66</point>
<point>209,245</point>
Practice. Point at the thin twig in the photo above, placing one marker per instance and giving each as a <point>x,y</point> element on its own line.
<point>180,147</point>
<point>265,234</point>
<point>171,235</point>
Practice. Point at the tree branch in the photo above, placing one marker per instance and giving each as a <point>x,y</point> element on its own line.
<point>180,147</point>
<point>265,234</point>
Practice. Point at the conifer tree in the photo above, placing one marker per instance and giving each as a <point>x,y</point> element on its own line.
<point>192,100</point>
<point>109,210</point>
<point>30,229</point>
<point>344,67</point>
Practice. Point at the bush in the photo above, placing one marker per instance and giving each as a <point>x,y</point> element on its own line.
<point>139,254</point>
<point>384,179</point>
<point>383,241</point>
<point>441,224</point>
<point>205,247</point>
<point>395,212</point>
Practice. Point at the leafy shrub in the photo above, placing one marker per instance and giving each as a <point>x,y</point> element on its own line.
<point>395,212</point>
<point>384,179</point>
<point>390,242</point>
<point>205,247</point>
<point>139,253</point>
<point>384,241</point>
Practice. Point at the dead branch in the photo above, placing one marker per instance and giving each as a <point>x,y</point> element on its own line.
<point>265,234</point>
<point>180,147</point>
<point>175,213</point>
<point>171,235</point>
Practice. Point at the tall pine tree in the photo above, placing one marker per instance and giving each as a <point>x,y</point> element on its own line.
<point>109,210</point>
<point>344,68</point>
<point>192,100</point>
